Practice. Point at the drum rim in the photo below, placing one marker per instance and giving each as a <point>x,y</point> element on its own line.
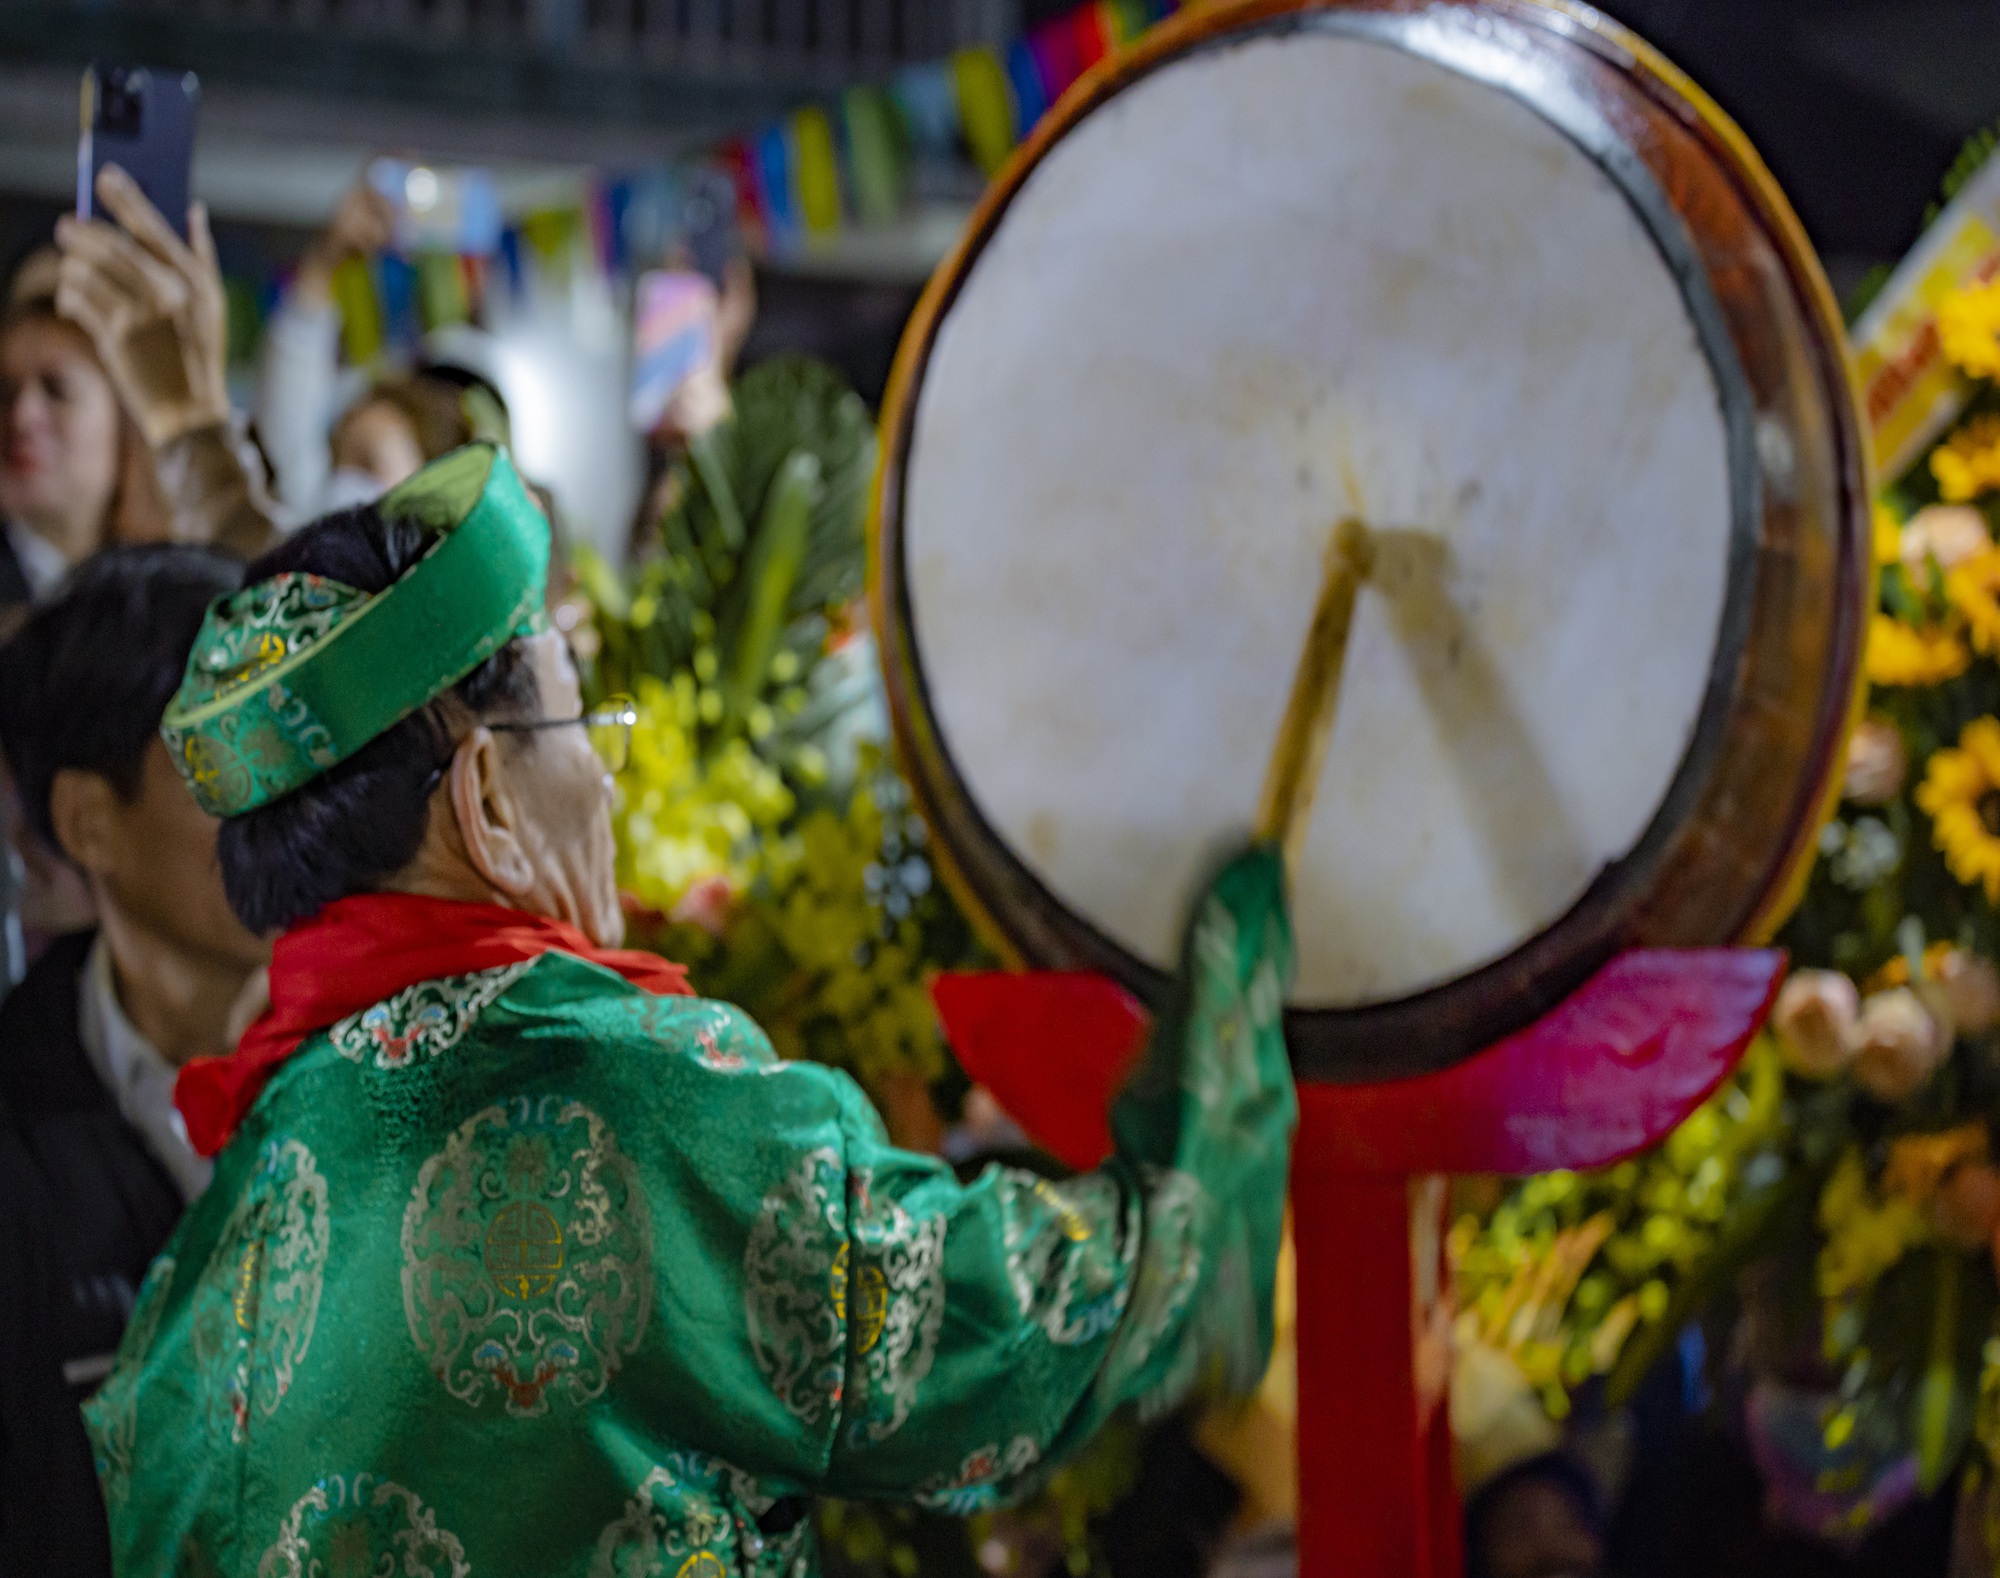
<point>1461,1015</point>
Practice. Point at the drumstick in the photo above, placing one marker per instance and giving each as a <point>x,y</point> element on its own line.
<point>1284,810</point>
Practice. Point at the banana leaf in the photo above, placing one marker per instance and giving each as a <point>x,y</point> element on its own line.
<point>776,554</point>
<point>705,582</point>
<point>783,406</point>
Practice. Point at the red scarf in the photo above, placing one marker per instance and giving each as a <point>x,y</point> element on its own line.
<point>356,952</point>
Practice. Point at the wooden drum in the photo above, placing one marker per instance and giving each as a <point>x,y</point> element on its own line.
<point>1495,280</point>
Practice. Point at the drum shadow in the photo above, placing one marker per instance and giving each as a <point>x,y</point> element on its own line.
<point>1490,749</point>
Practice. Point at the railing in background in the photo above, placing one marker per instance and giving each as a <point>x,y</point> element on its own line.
<point>841,39</point>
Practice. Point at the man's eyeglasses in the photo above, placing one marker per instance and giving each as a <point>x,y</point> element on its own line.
<point>609,727</point>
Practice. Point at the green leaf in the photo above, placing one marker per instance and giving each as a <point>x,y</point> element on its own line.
<point>792,403</point>
<point>1937,1392</point>
<point>708,452</point>
<point>773,567</point>
<point>601,584</point>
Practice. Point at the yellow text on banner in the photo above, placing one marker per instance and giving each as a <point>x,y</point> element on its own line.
<point>1909,392</point>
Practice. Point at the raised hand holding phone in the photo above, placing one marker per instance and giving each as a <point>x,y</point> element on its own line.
<point>152,305</point>
<point>363,223</point>
<point>142,121</point>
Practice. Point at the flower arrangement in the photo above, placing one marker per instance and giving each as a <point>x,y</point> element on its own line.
<point>1576,1275</point>
<point>1850,1165</point>
<point>768,844</point>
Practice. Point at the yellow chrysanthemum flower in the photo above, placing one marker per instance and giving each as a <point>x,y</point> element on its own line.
<point>1969,329</point>
<point>1961,795</point>
<point>1974,590</point>
<point>1900,654</point>
<point>1968,463</point>
<point>683,817</point>
<point>1888,537</point>
<point>1865,1234</point>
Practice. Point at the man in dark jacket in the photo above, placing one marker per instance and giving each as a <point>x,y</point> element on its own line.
<point>94,1167</point>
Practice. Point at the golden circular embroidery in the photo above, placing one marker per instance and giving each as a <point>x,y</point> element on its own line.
<point>871,1299</point>
<point>688,1503</point>
<point>254,1307</point>
<point>528,1256</point>
<point>795,1286</point>
<point>896,1306</point>
<point>524,1250</point>
<point>871,1307</point>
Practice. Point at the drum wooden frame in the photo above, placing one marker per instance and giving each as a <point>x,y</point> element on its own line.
<point>1726,852</point>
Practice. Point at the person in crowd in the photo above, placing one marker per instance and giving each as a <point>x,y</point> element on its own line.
<point>154,310</point>
<point>75,473</point>
<point>115,423</point>
<point>388,435</point>
<point>333,445</point>
<point>299,386</point>
<point>95,1165</point>
<point>518,1258</point>
<point>114,427</point>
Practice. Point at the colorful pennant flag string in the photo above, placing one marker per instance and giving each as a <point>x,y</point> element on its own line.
<point>817,167</point>
<point>794,181</point>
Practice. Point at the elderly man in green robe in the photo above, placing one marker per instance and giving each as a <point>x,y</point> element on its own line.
<point>520,1259</point>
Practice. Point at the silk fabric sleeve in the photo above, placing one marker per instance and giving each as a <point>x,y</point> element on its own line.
<point>990,1328</point>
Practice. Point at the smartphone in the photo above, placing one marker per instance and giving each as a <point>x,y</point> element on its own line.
<point>708,221</point>
<point>141,120</point>
<point>440,208</point>
<point>673,337</point>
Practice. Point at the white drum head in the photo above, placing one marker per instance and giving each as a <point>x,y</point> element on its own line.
<point>1271,286</point>
<point>1358,262</point>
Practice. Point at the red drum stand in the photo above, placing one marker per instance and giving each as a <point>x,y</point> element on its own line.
<point>1609,1072</point>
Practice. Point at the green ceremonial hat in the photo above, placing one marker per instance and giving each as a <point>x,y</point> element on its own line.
<point>296,673</point>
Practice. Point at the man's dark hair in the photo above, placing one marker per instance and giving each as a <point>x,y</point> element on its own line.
<point>83,683</point>
<point>364,819</point>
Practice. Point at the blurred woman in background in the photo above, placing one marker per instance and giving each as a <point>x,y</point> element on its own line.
<point>115,427</point>
<point>388,434</point>
<point>75,474</point>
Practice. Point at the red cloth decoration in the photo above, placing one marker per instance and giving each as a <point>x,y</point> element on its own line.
<point>1629,1054</point>
<point>356,952</point>
<point>1054,1047</point>
<point>1605,1073</point>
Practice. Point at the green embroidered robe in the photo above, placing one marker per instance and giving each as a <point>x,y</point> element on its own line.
<point>530,1271</point>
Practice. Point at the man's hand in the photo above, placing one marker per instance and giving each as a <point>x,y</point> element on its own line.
<point>153,307</point>
<point>364,222</point>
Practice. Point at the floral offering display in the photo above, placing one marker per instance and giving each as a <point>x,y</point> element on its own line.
<point>771,847</point>
<point>1832,1212</point>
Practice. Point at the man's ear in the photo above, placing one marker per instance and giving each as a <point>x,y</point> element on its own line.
<point>488,815</point>
<point>83,809</point>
